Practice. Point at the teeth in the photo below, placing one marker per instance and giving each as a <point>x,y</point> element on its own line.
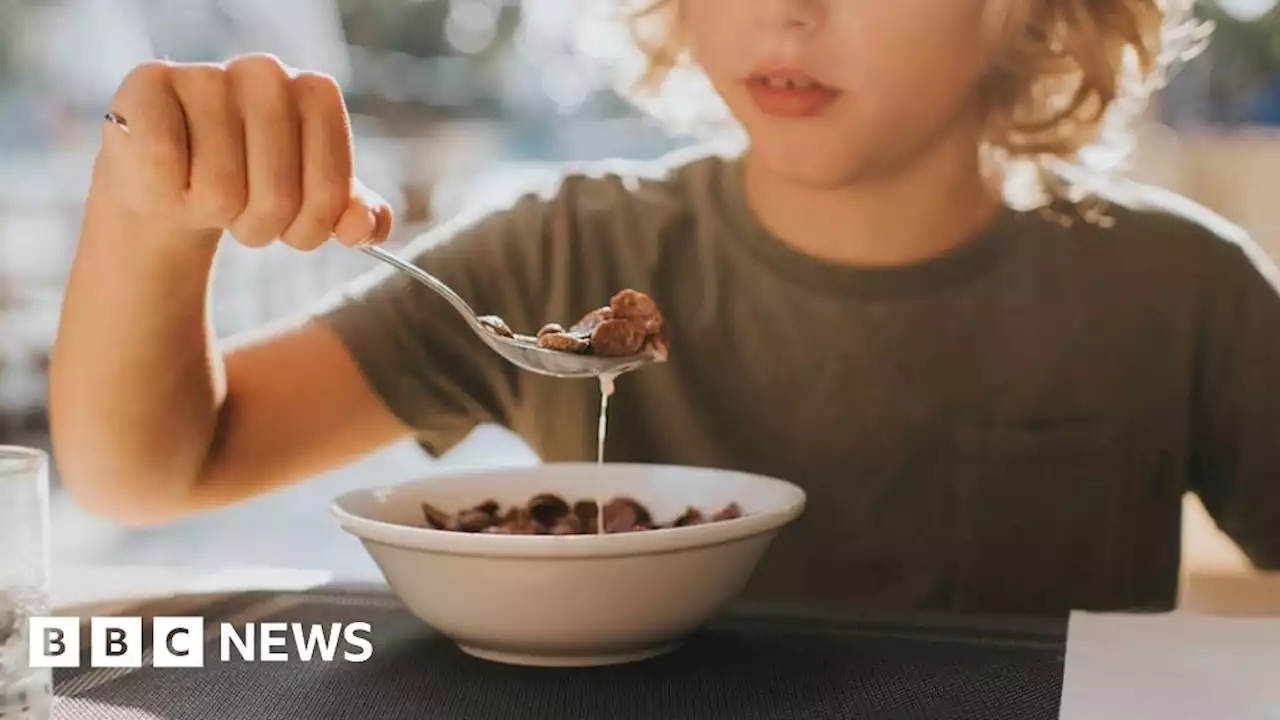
<point>789,83</point>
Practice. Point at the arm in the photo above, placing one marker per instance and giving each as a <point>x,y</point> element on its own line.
<point>152,420</point>
<point>1237,458</point>
<point>149,421</point>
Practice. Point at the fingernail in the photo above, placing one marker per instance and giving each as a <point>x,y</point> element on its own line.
<point>373,231</point>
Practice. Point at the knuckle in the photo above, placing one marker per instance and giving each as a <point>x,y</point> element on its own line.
<point>316,222</point>
<point>224,202</point>
<point>202,77</point>
<point>271,215</point>
<point>253,237</point>
<point>278,206</point>
<point>319,87</point>
<point>304,236</point>
<point>250,236</point>
<point>331,203</point>
<point>263,65</point>
<point>149,75</point>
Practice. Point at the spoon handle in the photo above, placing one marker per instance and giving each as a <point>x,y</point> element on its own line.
<point>426,279</point>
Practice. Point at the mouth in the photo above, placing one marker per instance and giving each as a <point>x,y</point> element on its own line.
<point>790,93</point>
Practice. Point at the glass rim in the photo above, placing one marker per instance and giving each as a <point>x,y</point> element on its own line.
<point>27,459</point>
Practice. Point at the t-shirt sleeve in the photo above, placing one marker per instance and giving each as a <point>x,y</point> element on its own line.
<point>1237,458</point>
<point>417,353</point>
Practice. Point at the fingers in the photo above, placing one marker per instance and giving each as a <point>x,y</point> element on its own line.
<point>367,220</point>
<point>148,165</point>
<point>385,223</point>
<point>272,146</point>
<point>327,167</point>
<point>250,146</point>
<point>357,225</point>
<point>216,192</point>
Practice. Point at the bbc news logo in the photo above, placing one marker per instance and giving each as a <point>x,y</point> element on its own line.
<point>179,642</point>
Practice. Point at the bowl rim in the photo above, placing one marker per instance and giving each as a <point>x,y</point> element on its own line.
<point>563,547</point>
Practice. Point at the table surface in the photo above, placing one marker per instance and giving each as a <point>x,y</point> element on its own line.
<point>317,595</point>
<point>753,662</point>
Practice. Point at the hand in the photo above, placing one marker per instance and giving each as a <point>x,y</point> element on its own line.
<point>248,146</point>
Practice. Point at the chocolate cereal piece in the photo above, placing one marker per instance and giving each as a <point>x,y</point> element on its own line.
<point>548,509</point>
<point>642,513</point>
<point>625,515</point>
<point>568,525</point>
<point>632,304</point>
<point>638,307</point>
<point>630,322</point>
<point>519,521</point>
<point>619,517</point>
<point>550,514</point>
<point>733,511</point>
<point>617,337</point>
<point>436,517</point>
<point>563,342</point>
<point>588,514</point>
<point>474,520</point>
<point>691,516</point>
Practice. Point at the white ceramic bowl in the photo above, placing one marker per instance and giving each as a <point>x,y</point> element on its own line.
<point>571,600</point>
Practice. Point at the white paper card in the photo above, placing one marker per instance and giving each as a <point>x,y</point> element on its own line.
<point>1171,666</point>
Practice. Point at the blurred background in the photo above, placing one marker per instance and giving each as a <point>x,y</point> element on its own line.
<point>455,102</point>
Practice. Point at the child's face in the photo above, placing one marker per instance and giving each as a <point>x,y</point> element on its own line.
<point>895,75</point>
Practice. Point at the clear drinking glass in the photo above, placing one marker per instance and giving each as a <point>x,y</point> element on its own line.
<point>26,693</point>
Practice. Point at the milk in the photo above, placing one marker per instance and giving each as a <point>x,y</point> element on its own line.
<point>606,390</point>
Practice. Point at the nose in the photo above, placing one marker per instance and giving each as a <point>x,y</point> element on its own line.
<point>796,15</point>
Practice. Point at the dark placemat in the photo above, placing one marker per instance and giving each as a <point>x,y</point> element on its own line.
<point>746,666</point>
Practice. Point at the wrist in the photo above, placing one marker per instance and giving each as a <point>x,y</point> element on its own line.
<point>141,235</point>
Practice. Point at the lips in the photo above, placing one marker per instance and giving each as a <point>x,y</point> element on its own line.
<point>789,93</point>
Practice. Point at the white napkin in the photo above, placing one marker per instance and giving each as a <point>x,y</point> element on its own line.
<point>1170,667</point>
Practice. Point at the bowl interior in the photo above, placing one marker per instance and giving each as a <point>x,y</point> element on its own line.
<point>666,490</point>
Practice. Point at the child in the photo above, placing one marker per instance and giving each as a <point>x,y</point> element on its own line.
<point>994,405</point>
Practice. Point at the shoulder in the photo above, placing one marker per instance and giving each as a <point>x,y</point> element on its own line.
<point>1161,226</point>
<point>1159,209</point>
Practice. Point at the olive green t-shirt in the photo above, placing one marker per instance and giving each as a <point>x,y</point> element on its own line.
<point>1007,428</point>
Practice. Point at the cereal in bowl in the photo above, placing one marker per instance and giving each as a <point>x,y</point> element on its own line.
<point>550,514</point>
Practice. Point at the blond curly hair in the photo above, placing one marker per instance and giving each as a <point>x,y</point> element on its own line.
<point>1066,77</point>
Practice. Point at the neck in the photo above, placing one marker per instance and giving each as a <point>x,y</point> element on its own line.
<point>914,212</point>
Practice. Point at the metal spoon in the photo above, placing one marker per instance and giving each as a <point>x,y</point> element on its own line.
<point>522,350</point>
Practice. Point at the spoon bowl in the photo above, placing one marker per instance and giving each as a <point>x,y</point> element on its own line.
<point>522,350</point>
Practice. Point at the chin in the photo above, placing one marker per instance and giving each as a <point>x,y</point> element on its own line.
<point>812,162</point>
